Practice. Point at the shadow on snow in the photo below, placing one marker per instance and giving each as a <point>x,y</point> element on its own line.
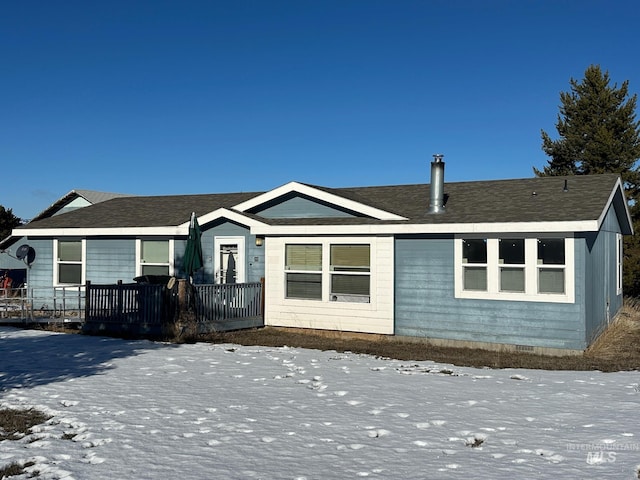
<point>30,358</point>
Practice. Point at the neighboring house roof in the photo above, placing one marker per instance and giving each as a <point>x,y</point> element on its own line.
<point>91,196</point>
<point>154,211</point>
<point>532,204</point>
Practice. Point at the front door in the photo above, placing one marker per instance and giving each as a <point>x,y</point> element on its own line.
<point>229,258</point>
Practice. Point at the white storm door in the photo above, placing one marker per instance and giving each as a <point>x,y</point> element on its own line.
<point>229,255</point>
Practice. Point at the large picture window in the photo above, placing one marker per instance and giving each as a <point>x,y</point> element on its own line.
<point>350,266</point>
<point>303,265</point>
<point>512,268</point>
<point>69,268</point>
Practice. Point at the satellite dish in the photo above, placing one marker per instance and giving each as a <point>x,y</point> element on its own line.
<point>26,253</point>
<point>22,252</point>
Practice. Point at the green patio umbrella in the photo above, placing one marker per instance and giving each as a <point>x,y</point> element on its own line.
<point>193,251</point>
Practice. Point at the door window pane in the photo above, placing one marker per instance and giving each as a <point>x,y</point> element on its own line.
<point>228,270</point>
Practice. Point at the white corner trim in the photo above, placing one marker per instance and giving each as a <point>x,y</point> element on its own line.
<point>320,195</point>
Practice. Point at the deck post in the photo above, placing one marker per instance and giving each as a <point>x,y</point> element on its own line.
<point>262,282</point>
<point>87,300</point>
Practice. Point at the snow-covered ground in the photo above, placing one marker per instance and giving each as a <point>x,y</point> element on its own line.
<point>142,410</point>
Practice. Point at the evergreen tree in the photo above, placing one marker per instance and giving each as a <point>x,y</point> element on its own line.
<point>8,221</point>
<point>598,133</point>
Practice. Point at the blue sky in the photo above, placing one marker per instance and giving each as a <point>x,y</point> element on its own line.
<point>176,97</point>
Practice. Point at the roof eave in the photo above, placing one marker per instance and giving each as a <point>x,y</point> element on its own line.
<point>441,228</point>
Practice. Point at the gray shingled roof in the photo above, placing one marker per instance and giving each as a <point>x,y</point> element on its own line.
<point>156,211</point>
<point>90,196</point>
<point>498,200</point>
<point>466,202</point>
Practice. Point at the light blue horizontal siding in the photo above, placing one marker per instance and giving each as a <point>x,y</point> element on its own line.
<point>110,260</point>
<point>301,207</point>
<point>41,272</point>
<point>426,307</point>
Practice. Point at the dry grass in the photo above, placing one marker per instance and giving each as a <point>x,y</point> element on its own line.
<point>621,341</point>
<point>15,424</point>
<point>14,469</point>
<point>618,348</point>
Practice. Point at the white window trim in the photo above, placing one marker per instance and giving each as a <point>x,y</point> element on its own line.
<point>240,261</point>
<point>56,282</point>
<point>619,263</point>
<point>139,255</point>
<point>326,268</point>
<point>531,271</point>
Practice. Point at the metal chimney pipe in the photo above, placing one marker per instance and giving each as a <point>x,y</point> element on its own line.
<point>436,194</point>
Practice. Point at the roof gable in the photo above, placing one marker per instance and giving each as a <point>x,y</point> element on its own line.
<point>296,205</point>
<point>318,195</point>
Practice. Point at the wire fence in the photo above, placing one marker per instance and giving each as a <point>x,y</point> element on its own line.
<point>42,305</point>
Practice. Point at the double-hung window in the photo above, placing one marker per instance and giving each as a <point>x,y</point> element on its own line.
<point>155,257</point>
<point>350,267</point>
<point>511,258</point>
<point>69,268</point>
<point>474,261</point>
<point>303,265</point>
